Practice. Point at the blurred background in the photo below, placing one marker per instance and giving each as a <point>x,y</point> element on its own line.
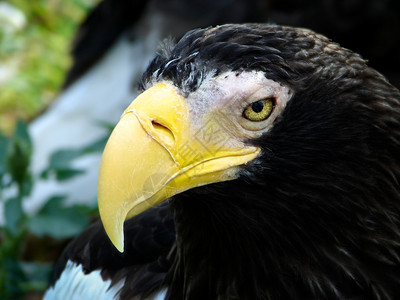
<point>67,71</point>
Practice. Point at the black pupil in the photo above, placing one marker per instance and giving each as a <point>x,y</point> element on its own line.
<point>257,106</point>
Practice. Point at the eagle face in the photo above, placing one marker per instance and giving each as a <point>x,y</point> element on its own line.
<point>244,104</point>
<point>270,137</point>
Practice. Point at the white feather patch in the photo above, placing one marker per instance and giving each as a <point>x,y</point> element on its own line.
<point>73,284</point>
<point>160,295</point>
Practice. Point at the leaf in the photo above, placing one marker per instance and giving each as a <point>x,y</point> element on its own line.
<point>96,146</point>
<point>58,221</point>
<point>61,174</point>
<point>62,159</point>
<point>4,144</point>
<point>19,153</point>
<point>60,164</point>
<point>21,134</point>
<point>14,214</point>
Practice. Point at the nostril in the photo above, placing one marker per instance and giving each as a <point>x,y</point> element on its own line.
<point>157,125</point>
<point>163,132</point>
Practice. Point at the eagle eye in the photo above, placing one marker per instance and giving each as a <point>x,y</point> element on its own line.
<point>259,110</point>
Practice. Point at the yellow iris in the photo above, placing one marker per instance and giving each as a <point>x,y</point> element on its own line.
<point>259,110</point>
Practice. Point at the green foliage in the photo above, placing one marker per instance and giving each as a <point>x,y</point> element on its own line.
<point>55,220</point>
<point>60,161</point>
<point>36,55</point>
<point>19,153</point>
<point>60,221</point>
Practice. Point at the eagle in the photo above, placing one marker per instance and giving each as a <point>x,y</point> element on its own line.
<point>259,162</point>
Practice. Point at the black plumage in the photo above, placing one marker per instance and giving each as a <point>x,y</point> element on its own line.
<point>316,216</point>
<point>145,262</point>
<point>371,28</point>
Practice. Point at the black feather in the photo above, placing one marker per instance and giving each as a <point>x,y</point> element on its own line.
<point>143,265</point>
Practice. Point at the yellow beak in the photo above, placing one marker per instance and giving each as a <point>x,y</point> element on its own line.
<point>154,153</point>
